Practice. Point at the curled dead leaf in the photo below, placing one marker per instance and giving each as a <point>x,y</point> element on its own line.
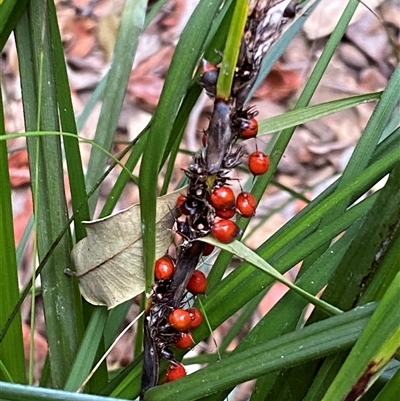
<point>109,261</point>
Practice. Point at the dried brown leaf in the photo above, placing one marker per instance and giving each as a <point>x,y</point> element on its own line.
<point>109,261</point>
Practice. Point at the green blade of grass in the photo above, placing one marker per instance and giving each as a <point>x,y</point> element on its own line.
<point>17,392</point>
<point>338,332</point>
<point>374,349</point>
<point>88,349</point>
<point>67,119</point>
<point>303,115</point>
<point>11,347</point>
<point>231,51</point>
<point>245,253</point>
<point>391,389</point>
<point>23,244</point>
<point>125,48</point>
<point>40,110</point>
<point>10,13</point>
<point>364,255</point>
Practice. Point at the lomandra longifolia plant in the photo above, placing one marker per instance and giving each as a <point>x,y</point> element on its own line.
<point>210,203</point>
<point>346,239</point>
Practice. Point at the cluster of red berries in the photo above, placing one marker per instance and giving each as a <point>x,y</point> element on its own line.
<point>178,324</point>
<point>207,208</point>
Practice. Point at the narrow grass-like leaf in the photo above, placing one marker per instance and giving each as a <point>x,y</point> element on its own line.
<point>372,351</point>
<point>126,43</point>
<point>391,389</point>
<point>10,12</point>
<point>216,39</point>
<point>23,243</point>
<point>91,103</point>
<point>123,177</point>
<point>373,239</point>
<point>240,322</point>
<point>45,156</point>
<point>285,315</point>
<point>17,392</point>
<point>364,254</point>
<point>179,130</point>
<point>388,268</point>
<point>245,253</point>
<point>303,115</point>
<point>101,87</point>
<point>67,119</point>
<point>87,350</point>
<point>322,338</point>
<point>11,347</point>
<point>334,292</point>
<point>231,51</point>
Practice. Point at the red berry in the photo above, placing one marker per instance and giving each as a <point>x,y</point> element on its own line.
<point>246,204</point>
<point>164,268</point>
<point>223,198</point>
<point>208,248</point>
<point>258,163</point>
<point>175,371</point>
<point>225,231</point>
<point>180,200</point>
<point>184,341</point>
<point>196,317</point>
<point>249,128</point>
<point>180,319</point>
<point>225,213</point>
<point>197,283</point>
<point>180,203</point>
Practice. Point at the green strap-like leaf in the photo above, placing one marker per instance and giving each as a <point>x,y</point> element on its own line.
<point>131,25</point>
<point>17,392</point>
<point>11,347</point>
<point>322,338</point>
<point>231,51</point>
<point>300,116</point>
<point>376,346</point>
<point>245,253</point>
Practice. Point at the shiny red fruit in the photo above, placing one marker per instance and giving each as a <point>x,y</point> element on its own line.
<point>196,317</point>
<point>249,128</point>
<point>184,341</point>
<point>197,283</point>
<point>223,198</point>
<point>258,163</point>
<point>208,249</point>
<point>225,213</point>
<point>164,268</point>
<point>246,204</point>
<point>175,371</point>
<point>180,319</point>
<point>225,231</point>
<point>180,203</point>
